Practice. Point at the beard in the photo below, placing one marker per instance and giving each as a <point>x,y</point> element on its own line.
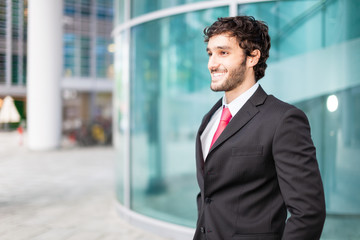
<point>236,77</point>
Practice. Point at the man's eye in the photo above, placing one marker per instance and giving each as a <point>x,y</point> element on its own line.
<point>209,54</point>
<point>224,53</point>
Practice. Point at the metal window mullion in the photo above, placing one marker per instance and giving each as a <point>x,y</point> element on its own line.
<point>233,11</point>
<point>93,30</point>
<point>8,59</point>
<point>21,43</point>
<point>126,77</point>
<point>77,33</point>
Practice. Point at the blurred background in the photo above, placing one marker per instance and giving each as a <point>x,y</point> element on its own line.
<point>134,76</point>
<point>86,81</point>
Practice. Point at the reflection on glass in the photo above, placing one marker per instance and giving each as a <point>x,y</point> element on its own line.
<point>140,7</point>
<point>309,65</point>
<point>169,84</point>
<point>315,53</point>
<point>336,135</point>
<point>332,103</point>
<point>120,116</point>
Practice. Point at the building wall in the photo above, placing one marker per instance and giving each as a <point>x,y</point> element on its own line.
<point>13,36</point>
<point>87,59</point>
<point>88,63</point>
<point>162,92</point>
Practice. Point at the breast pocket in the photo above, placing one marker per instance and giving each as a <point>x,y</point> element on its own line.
<point>256,150</point>
<point>248,162</point>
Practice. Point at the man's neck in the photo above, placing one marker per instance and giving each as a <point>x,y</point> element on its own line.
<point>243,87</point>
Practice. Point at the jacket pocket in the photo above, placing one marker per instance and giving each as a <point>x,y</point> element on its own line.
<point>256,150</point>
<point>257,236</point>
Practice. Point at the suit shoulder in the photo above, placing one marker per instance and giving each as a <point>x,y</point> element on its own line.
<point>280,108</point>
<point>279,105</point>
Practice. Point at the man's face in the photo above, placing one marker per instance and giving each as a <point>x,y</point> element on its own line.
<point>226,64</point>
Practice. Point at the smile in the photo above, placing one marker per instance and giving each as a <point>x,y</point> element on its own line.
<point>217,75</point>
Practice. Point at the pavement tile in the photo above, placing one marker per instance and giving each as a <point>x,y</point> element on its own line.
<point>85,236</point>
<point>55,234</point>
<point>6,228</point>
<point>23,233</point>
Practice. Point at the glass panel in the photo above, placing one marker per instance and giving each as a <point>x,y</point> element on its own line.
<point>87,36</point>
<point>105,10</point>
<point>14,69</point>
<point>290,22</point>
<point>119,6</point>
<point>69,7</point>
<point>2,42</point>
<point>24,71</point>
<point>141,7</point>
<point>169,84</point>
<point>334,120</point>
<point>17,18</point>
<point>85,56</point>
<point>315,54</point>
<point>104,57</point>
<point>69,54</point>
<point>2,68</point>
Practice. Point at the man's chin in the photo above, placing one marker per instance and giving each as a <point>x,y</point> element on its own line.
<point>216,88</point>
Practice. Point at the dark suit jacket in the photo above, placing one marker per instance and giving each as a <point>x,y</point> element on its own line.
<point>262,165</point>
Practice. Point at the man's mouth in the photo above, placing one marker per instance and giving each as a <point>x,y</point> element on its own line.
<point>217,75</point>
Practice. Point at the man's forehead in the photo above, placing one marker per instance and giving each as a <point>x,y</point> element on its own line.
<point>228,35</point>
<point>222,41</point>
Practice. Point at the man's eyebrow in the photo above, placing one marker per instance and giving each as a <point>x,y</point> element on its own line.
<point>219,47</point>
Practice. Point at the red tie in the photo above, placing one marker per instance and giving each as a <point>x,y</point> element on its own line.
<point>224,120</point>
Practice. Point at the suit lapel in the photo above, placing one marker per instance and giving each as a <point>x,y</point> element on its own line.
<point>243,116</point>
<point>208,116</point>
<point>204,123</point>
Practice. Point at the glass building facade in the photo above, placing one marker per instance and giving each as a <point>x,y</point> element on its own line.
<point>88,24</point>
<point>13,36</point>
<point>162,92</point>
<point>88,68</point>
<point>88,48</point>
<point>13,48</point>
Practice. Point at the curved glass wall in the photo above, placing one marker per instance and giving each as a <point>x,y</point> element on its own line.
<point>162,92</point>
<point>140,7</point>
<point>165,83</point>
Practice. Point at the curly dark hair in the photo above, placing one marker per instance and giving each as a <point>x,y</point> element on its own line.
<point>251,35</point>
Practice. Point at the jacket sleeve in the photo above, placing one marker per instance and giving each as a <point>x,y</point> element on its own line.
<point>299,177</point>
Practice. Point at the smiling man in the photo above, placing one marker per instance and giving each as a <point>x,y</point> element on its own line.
<point>255,158</point>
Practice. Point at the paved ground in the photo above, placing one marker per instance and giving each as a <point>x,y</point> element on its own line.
<point>66,194</point>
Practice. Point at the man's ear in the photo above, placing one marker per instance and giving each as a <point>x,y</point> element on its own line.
<point>254,58</point>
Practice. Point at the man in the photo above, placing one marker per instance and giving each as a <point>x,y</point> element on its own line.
<point>254,154</point>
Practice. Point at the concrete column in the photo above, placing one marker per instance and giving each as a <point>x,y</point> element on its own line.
<point>44,74</point>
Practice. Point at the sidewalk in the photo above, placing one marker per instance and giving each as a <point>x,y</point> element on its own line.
<point>67,194</point>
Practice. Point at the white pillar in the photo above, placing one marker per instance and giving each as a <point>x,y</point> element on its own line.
<point>44,74</point>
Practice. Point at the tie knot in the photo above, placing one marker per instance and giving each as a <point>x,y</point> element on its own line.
<point>226,115</point>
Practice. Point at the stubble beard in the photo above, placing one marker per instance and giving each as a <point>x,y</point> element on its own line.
<point>236,77</point>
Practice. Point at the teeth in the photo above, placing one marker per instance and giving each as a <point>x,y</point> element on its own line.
<point>218,74</point>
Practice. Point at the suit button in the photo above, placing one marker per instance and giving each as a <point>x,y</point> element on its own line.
<point>208,200</point>
<point>202,230</point>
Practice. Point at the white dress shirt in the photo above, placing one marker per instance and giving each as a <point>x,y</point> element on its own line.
<point>208,134</point>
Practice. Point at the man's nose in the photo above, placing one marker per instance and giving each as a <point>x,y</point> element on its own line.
<point>213,63</point>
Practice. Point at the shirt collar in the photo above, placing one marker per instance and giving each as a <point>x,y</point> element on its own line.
<point>238,102</point>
